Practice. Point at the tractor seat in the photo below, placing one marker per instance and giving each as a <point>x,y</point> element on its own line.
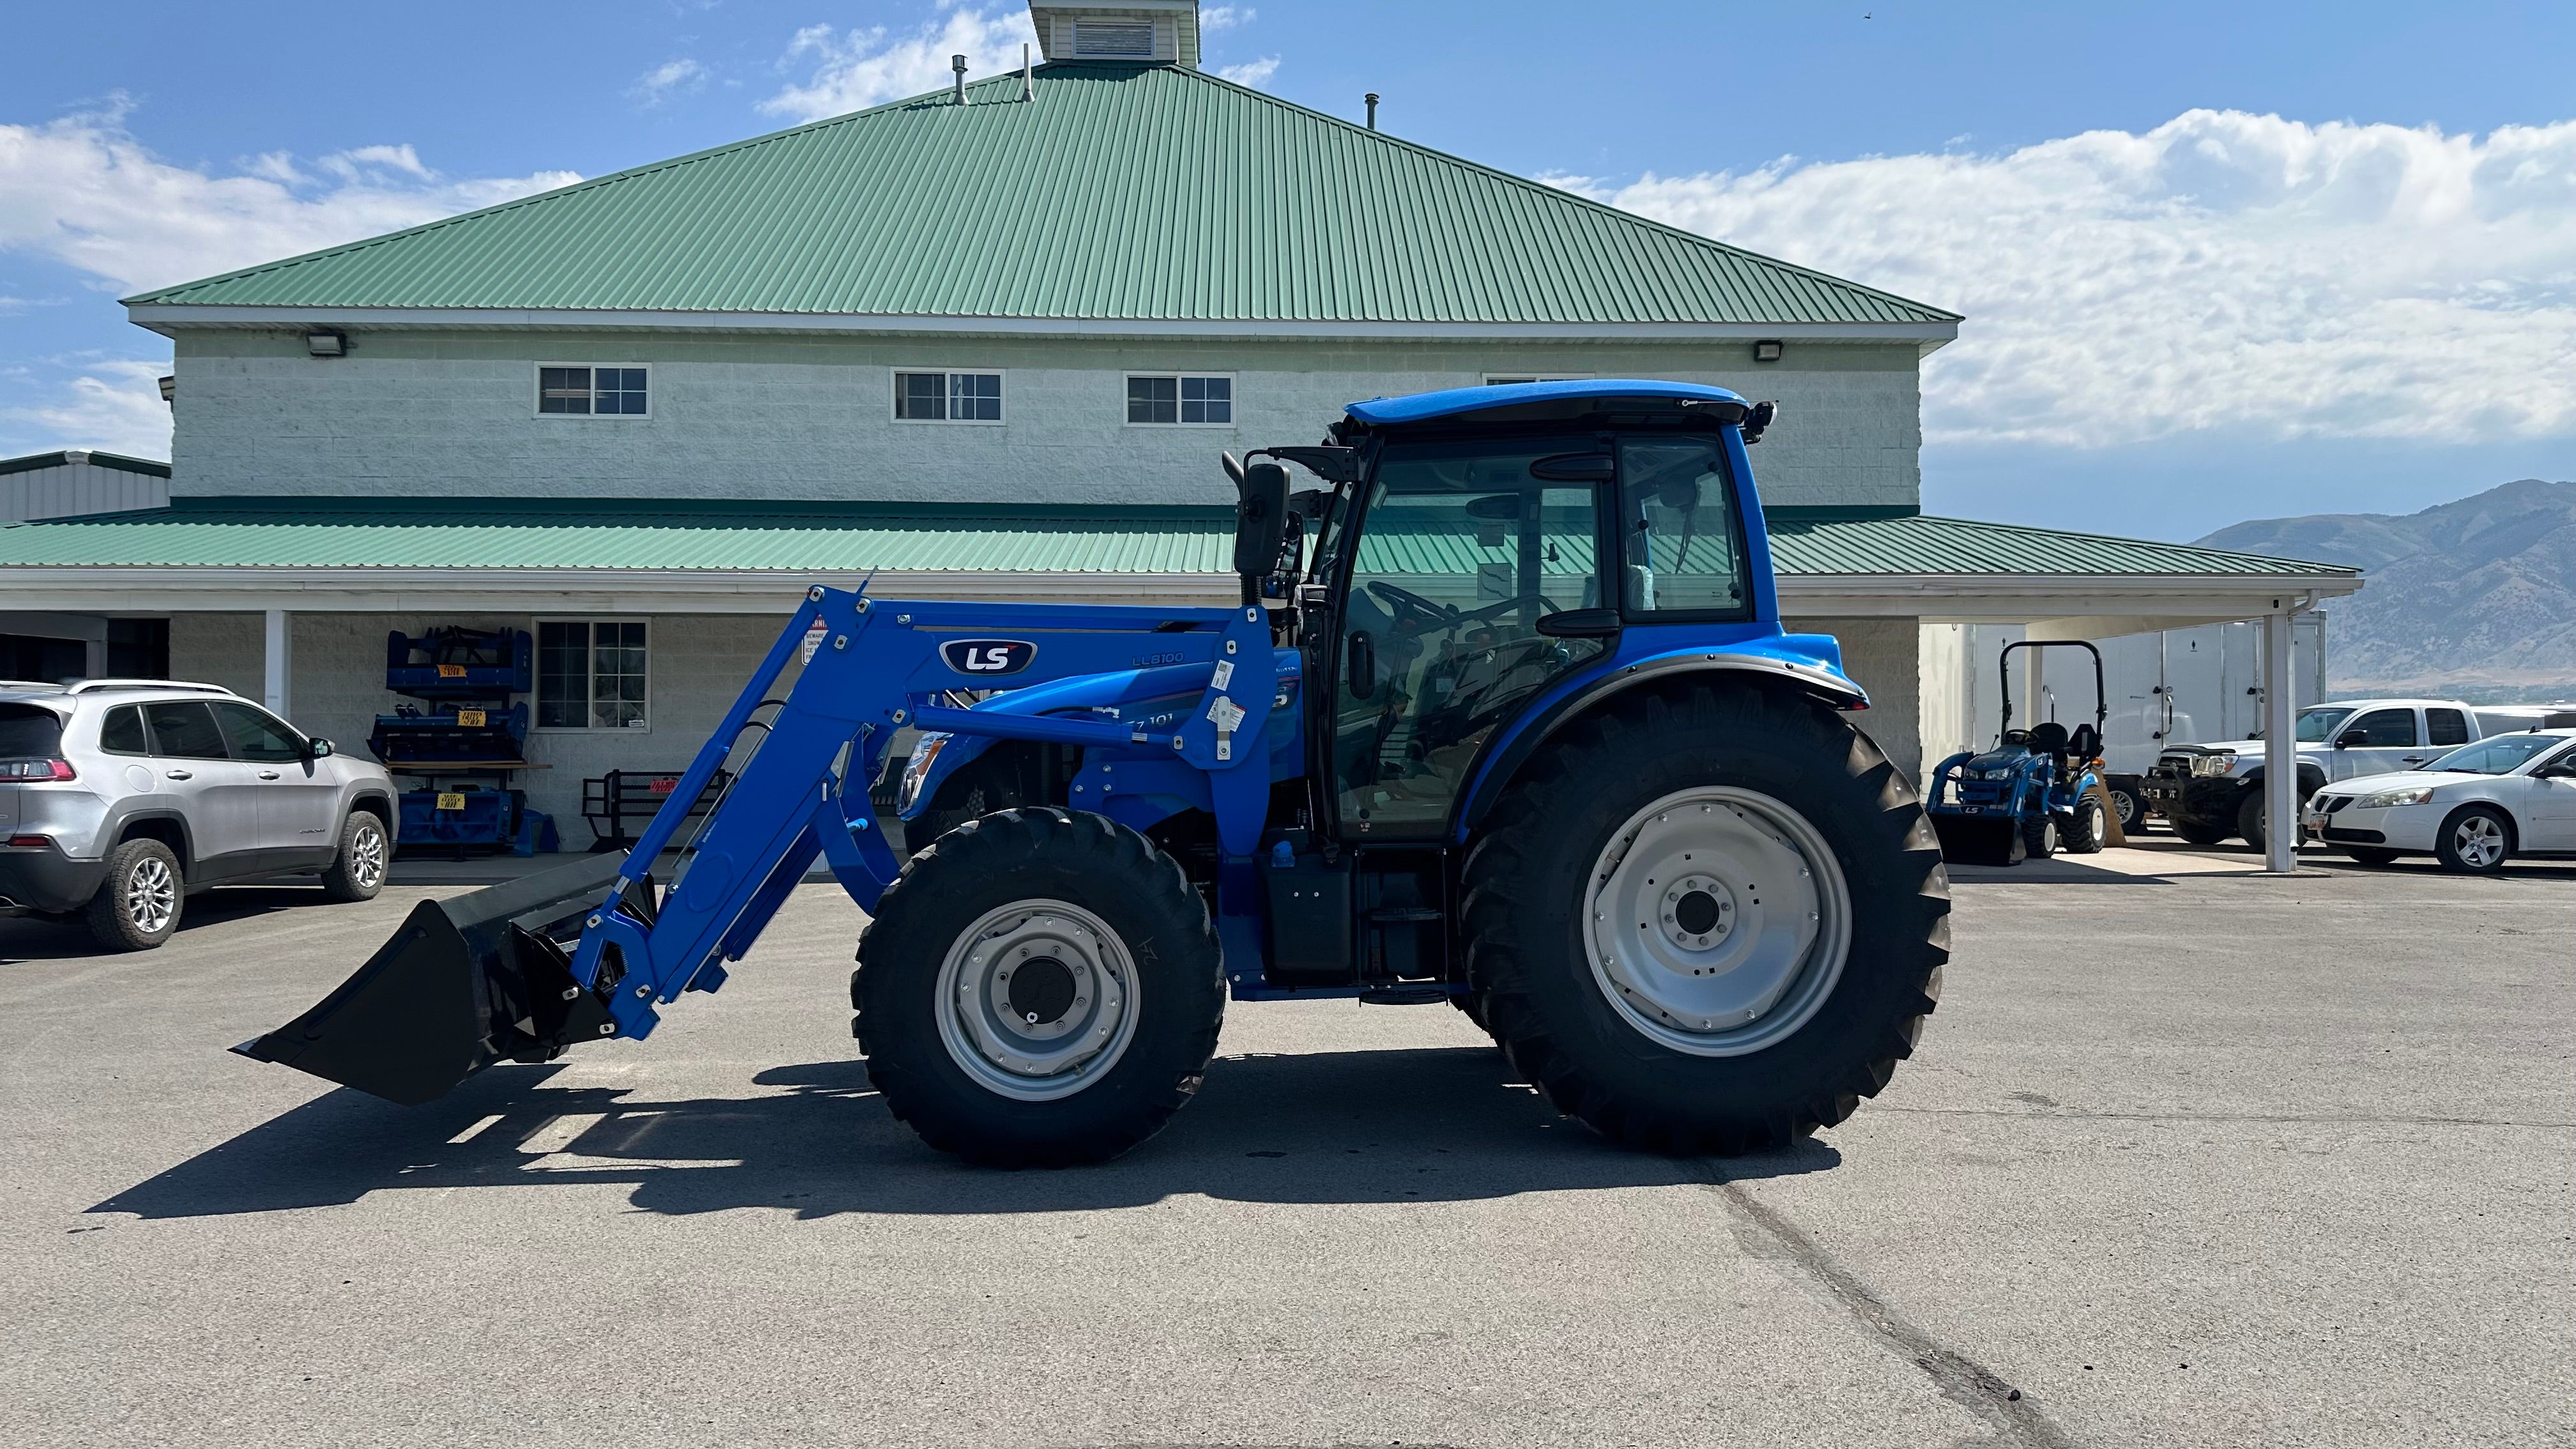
<point>2048,737</point>
<point>2086,742</point>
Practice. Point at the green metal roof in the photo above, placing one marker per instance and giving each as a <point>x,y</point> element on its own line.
<point>796,538</point>
<point>1120,192</point>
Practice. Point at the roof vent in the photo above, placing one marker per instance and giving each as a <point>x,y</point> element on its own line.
<point>1145,32</point>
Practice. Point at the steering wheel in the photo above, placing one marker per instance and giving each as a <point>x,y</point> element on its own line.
<point>1414,614</point>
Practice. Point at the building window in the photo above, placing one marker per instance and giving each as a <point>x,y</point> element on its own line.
<point>948,397</point>
<point>1182,401</point>
<point>602,392</point>
<point>1505,379</point>
<point>591,674</point>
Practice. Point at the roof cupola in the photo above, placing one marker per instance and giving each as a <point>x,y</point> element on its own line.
<point>1144,32</point>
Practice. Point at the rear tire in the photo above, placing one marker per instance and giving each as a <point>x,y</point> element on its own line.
<point>1569,997</point>
<point>137,907</point>
<point>357,873</point>
<point>2202,832</point>
<point>2476,840</point>
<point>1118,973</point>
<point>2082,833</point>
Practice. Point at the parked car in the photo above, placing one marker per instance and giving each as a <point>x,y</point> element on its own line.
<point>2473,809</point>
<point>2209,792</point>
<point>120,797</point>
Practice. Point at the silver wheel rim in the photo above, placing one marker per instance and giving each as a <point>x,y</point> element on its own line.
<point>1070,967</point>
<point>2479,841</point>
<point>1719,921</point>
<point>367,857</point>
<point>151,895</point>
<point>2125,806</point>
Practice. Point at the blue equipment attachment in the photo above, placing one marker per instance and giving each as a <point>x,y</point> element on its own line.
<point>2036,792</point>
<point>1516,727</point>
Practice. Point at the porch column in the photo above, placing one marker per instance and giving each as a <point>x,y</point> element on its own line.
<point>2280,749</point>
<point>278,657</point>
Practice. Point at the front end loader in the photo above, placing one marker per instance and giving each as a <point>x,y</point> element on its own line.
<point>1503,716</point>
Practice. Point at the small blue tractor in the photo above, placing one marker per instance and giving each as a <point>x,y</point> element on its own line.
<point>1516,729</point>
<point>2038,791</point>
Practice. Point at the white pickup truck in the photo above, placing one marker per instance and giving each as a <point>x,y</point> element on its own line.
<point>2209,792</point>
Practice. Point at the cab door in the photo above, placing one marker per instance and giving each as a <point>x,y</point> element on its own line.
<point>2375,742</point>
<point>1464,555</point>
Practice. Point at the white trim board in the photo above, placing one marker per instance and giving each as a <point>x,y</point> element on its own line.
<point>162,316</point>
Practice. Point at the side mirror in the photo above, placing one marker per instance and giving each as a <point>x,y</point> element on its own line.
<point>1260,520</point>
<point>2556,770</point>
<point>2351,739</point>
<point>317,748</point>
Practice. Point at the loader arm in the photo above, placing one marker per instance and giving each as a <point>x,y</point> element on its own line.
<point>463,986</point>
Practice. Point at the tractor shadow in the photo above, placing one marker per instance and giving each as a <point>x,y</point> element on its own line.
<point>1390,1127</point>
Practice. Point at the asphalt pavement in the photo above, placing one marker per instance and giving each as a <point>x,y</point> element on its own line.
<point>2187,1156</point>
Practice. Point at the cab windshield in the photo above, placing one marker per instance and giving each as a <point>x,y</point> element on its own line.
<point>2316,726</point>
<point>2499,756</point>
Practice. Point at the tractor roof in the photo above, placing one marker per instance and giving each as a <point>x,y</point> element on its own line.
<point>1588,395</point>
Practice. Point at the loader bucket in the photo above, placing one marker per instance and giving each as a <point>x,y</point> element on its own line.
<point>1980,839</point>
<point>464,983</point>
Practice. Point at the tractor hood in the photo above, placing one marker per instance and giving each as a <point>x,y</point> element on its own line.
<point>1154,698</point>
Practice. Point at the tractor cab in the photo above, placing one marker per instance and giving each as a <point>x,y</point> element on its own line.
<point>2037,791</point>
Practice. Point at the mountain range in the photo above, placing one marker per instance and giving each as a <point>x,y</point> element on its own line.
<point>2475,597</point>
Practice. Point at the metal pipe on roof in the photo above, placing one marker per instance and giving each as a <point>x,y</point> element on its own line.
<point>1028,75</point>
<point>1371,98</point>
<point>957,63</point>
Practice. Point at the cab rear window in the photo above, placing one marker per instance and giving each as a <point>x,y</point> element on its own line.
<point>29,732</point>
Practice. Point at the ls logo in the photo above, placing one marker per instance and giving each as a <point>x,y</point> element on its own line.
<point>988,656</point>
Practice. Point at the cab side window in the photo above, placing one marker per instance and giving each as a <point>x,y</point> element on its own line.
<point>2382,729</point>
<point>2447,726</point>
<point>185,729</point>
<point>121,733</point>
<point>1678,550</point>
<point>256,735</point>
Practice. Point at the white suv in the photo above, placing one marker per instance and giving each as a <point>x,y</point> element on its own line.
<point>118,797</point>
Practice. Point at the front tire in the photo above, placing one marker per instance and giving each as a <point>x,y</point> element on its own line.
<point>2249,818</point>
<point>1726,1019</point>
<point>2130,807</point>
<point>2476,840</point>
<point>137,907</point>
<point>1040,988</point>
<point>2202,832</point>
<point>2083,831</point>
<point>358,872</point>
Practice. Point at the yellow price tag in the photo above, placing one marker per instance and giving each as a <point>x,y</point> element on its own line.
<point>471,719</point>
<point>451,671</point>
<point>451,800</point>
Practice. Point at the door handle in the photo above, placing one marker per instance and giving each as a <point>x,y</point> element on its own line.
<point>268,774</point>
<point>183,774</point>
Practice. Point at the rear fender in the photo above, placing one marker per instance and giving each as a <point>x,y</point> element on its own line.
<point>1809,663</point>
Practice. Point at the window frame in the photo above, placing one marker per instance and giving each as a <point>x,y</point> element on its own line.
<point>1615,524</point>
<point>2468,736</point>
<point>2359,719</point>
<point>1234,399</point>
<point>302,743</point>
<point>894,396</point>
<point>590,675</point>
<point>537,397</point>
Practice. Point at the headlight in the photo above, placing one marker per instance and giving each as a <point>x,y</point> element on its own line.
<point>2002,774</point>
<point>2213,764</point>
<point>924,751</point>
<point>2382,799</point>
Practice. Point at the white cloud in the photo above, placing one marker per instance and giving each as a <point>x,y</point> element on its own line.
<point>2220,271</point>
<point>113,406</point>
<point>670,78</point>
<point>1251,72</point>
<point>856,69</point>
<point>83,191</point>
<point>1218,17</point>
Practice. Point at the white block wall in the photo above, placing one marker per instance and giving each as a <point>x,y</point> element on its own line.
<point>453,415</point>
<point>1884,655</point>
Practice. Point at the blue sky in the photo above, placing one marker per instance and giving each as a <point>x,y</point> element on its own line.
<point>2219,261</point>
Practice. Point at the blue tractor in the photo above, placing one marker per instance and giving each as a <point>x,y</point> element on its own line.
<point>2038,791</point>
<point>1504,717</point>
